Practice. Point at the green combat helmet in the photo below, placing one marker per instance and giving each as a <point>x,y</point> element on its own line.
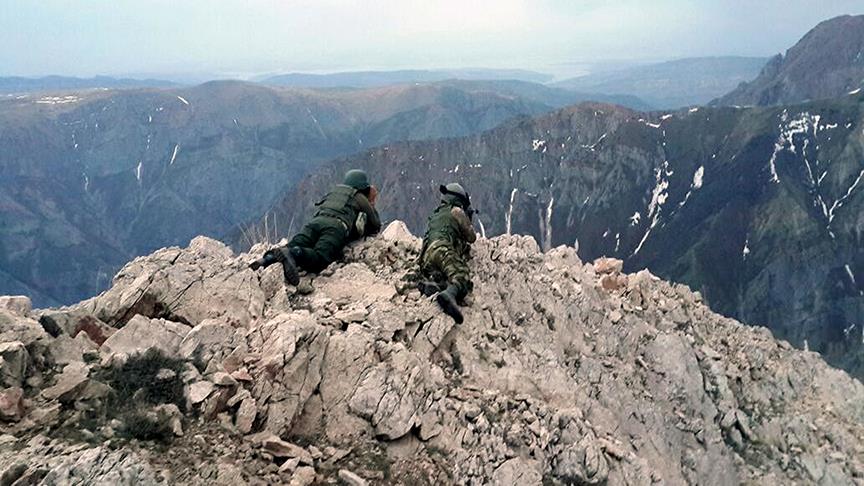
<point>456,189</point>
<point>357,179</point>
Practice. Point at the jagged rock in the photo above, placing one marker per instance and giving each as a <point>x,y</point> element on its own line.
<point>291,348</point>
<point>11,404</point>
<point>229,475</point>
<point>222,379</point>
<point>351,479</point>
<point>550,376</point>
<point>289,466</point>
<point>14,327</point>
<point>141,334</point>
<point>204,281</point>
<point>210,343</point>
<point>172,413</point>
<point>303,476</point>
<point>199,391</point>
<point>69,383</point>
<point>246,415</point>
<point>16,304</point>
<point>93,328</point>
<point>399,233</point>
<point>103,467</point>
<point>582,463</point>
<point>64,349</point>
<point>391,395</point>
<point>517,471</point>
<point>281,448</point>
<point>603,266</point>
<point>14,359</point>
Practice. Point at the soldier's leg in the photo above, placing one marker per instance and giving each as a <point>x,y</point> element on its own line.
<point>307,237</point>
<point>457,272</point>
<point>447,261</point>
<point>327,249</point>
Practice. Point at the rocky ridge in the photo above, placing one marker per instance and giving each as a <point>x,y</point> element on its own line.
<point>192,369</point>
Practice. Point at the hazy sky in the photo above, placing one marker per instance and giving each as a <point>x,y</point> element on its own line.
<point>243,37</point>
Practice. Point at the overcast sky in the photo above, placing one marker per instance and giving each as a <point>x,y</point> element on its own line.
<point>245,37</point>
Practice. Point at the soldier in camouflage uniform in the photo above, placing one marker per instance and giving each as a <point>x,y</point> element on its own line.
<point>347,213</point>
<point>447,247</point>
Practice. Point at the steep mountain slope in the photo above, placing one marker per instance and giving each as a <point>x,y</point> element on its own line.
<point>826,63</point>
<point>672,84</point>
<point>18,84</point>
<point>90,179</point>
<point>563,373</point>
<point>759,209</point>
<point>368,79</point>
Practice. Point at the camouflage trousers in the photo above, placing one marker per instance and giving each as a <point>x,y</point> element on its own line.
<point>441,262</point>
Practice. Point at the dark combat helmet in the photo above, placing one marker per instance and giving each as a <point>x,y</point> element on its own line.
<point>357,179</point>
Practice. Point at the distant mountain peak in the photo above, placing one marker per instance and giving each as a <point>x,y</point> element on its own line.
<point>827,62</point>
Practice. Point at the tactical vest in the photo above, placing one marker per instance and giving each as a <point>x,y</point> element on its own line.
<point>443,226</point>
<point>340,204</point>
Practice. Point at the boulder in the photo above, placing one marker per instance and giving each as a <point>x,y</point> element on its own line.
<point>518,471</point>
<point>398,232</point>
<point>351,479</point>
<point>280,448</point>
<point>606,266</point>
<point>69,383</point>
<point>19,305</point>
<point>200,282</point>
<point>64,349</point>
<point>11,404</point>
<point>197,392</point>
<point>141,334</point>
<point>14,327</point>
<point>14,360</point>
<point>210,343</point>
<point>303,476</point>
<point>246,414</point>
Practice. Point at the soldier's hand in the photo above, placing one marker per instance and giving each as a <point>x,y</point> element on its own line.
<point>373,194</point>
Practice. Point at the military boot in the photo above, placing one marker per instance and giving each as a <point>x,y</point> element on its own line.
<point>428,287</point>
<point>289,266</point>
<point>447,300</point>
<point>269,258</point>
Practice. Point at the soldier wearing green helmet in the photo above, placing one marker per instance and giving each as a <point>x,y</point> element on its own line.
<point>345,214</point>
<point>446,250</point>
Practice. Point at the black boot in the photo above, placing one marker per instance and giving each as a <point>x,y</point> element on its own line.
<point>428,287</point>
<point>269,258</point>
<point>447,300</point>
<point>289,266</point>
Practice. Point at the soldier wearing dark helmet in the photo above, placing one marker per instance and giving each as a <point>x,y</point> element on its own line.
<point>345,214</point>
<point>446,249</point>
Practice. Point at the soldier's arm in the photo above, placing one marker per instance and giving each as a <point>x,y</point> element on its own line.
<point>373,221</point>
<point>464,222</point>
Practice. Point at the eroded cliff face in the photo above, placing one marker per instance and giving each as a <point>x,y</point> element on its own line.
<point>563,373</point>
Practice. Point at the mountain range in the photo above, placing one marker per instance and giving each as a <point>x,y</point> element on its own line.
<point>18,84</point>
<point>368,79</point>
<point>759,209</point>
<point>672,84</point>
<point>91,179</point>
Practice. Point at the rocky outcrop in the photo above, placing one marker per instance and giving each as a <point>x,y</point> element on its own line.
<point>554,378</point>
